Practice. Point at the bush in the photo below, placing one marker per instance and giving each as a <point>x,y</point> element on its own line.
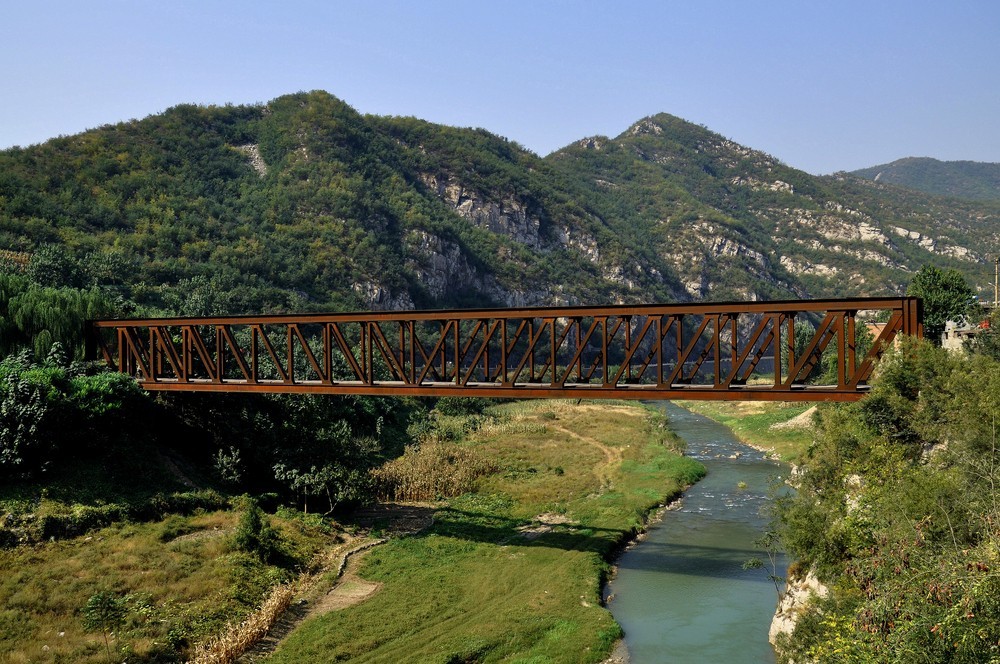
<point>50,412</point>
<point>463,405</point>
<point>255,534</point>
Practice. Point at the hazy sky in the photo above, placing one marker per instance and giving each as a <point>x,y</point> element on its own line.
<point>822,85</point>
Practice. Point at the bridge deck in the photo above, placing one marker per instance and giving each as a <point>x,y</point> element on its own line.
<point>738,351</point>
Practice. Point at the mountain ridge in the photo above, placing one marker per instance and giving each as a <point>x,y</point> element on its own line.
<point>972,180</point>
<point>304,203</point>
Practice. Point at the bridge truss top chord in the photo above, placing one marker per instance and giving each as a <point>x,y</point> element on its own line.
<point>736,351</point>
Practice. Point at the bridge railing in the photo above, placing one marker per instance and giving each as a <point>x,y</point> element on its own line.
<point>746,350</point>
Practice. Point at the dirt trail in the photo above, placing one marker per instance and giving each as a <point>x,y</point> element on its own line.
<point>316,596</point>
<point>612,456</point>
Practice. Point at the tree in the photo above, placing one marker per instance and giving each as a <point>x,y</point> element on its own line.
<point>946,295</point>
<point>104,611</point>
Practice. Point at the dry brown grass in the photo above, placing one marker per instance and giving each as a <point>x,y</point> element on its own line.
<point>432,471</point>
<point>236,639</point>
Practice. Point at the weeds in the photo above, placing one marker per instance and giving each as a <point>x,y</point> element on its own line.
<point>432,471</point>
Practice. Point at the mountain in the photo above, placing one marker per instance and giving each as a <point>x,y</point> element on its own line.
<point>973,180</point>
<point>737,223</point>
<point>304,204</point>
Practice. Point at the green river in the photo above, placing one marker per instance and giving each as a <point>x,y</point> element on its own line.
<point>682,595</point>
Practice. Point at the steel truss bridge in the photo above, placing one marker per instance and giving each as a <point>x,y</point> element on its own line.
<point>733,351</point>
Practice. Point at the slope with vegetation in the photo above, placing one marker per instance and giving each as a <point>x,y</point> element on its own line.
<point>896,511</point>
<point>958,179</point>
<point>305,204</point>
<point>736,223</point>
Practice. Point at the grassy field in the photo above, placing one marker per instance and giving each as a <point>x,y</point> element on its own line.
<point>180,581</point>
<point>754,422</point>
<point>509,571</point>
<point>512,571</point>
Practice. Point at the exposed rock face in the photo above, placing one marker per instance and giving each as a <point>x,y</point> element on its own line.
<point>804,267</point>
<point>646,126</point>
<point>758,185</point>
<point>442,270</point>
<point>380,298</point>
<point>579,240</point>
<point>793,602</point>
<point>440,265</point>
<point>252,151</point>
<point>934,245</point>
<point>508,216</point>
<point>593,143</point>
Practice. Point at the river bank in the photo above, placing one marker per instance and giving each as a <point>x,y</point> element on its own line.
<point>514,569</point>
<point>781,429</point>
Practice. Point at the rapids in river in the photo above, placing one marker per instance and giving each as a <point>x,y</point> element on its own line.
<point>681,594</point>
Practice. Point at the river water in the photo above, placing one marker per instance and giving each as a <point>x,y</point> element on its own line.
<point>682,595</point>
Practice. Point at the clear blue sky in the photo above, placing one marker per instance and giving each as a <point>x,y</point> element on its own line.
<point>822,85</point>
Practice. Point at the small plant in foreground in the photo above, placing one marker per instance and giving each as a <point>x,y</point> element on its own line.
<point>105,611</point>
<point>769,542</point>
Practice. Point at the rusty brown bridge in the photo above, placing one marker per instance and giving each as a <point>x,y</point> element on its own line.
<point>734,351</point>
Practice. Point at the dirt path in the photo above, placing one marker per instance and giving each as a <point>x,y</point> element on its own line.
<point>612,456</point>
<point>319,594</point>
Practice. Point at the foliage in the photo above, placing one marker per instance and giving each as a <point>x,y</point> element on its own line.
<point>946,295</point>
<point>770,543</point>
<point>255,534</point>
<point>463,405</point>
<point>105,612</point>
<point>37,316</point>
<point>903,528</point>
<point>50,412</point>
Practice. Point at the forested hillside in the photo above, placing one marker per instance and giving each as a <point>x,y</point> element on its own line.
<point>958,179</point>
<point>734,222</point>
<point>304,204</point>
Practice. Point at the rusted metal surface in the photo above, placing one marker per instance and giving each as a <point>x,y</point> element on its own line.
<point>736,351</point>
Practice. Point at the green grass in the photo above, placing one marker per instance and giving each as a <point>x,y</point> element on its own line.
<point>477,586</point>
<point>752,423</point>
<point>180,577</point>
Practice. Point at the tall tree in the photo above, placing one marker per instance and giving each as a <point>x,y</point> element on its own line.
<point>946,295</point>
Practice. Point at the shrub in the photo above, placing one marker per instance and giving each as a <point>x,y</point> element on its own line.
<point>255,534</point>
<point>105,612</point>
